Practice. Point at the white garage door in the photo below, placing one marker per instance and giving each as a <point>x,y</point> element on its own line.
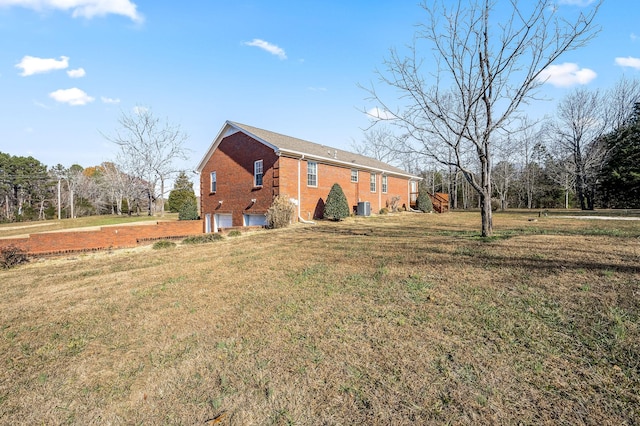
<point>255,220</point>
<point>224,221</point>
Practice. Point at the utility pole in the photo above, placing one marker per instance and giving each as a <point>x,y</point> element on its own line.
<point>59,201</point>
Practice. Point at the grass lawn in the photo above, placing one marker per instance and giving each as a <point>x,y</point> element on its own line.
<point>396,319</point>
<point>22,228</point>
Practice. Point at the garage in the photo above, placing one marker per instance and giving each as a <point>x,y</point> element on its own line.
<point>223,221</point>
<point>255,220</point>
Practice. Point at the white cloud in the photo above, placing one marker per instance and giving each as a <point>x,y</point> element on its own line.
<point>633,37</point>
<point>629,62</point>
<point>73,96</point>
<point>566,75</point>
<point>82,8</point>
<point>380,114</point>
<point>77,73</point>
<point>31,65</point>
<point>106,100</point>
<point>265,45</point>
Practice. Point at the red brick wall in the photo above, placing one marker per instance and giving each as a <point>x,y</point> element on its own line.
<point>313,197</point>
<point>104,238</point>
<point>233,162</point>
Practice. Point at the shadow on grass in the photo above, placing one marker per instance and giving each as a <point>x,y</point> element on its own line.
<point>471,247</point>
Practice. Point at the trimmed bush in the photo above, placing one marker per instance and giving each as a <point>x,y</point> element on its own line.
<point>12,256</point>
<point>280,213</point>
<point>383,210</point>
<point>337,206</point>
<point>202,239</point>
<point>423,202</point>
<point>234,233</point>
<point>163,244</point>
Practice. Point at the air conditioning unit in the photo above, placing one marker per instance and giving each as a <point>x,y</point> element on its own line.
<point>364,208</point>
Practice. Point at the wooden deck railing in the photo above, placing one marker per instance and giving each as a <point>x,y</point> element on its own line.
<point>439,200</point>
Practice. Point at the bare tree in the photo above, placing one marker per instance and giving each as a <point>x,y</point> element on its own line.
<point>505,173</point>
<point>150,147</point>
<point>378,143</point>
<point>581,122</point>
<point>531,147</point>
<point>621,101</point>
<point>381,143</point>
<point>486,68</point>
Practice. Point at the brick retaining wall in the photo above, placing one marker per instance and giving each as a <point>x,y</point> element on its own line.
<point>103,238</point>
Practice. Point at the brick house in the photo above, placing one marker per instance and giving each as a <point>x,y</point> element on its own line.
<point>246,167</point>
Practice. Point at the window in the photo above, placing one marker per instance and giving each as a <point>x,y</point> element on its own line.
<point>312,173</point>
<point>257,173</point>
<point>372,182</point>
<point>384,184</point>
<point>214,182</point>
<point>354,175</point>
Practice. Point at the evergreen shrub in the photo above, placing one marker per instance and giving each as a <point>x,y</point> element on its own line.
<point>163,244</point>
<point>202,239</point>
<point>188,211</point>
<point>337,206</point>
<point>423,202</point>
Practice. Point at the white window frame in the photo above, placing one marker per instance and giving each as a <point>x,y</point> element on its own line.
<point>372,182</point>
<point>354,175</point>
<point>385,184</point>
<point>258,171</point>
<point>312,174</point>
<point>214,182</point>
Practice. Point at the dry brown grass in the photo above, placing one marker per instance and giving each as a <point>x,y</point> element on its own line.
<point>398,319</point>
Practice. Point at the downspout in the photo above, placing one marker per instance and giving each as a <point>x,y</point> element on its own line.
<point>299,195</point>
<point>379,187</point>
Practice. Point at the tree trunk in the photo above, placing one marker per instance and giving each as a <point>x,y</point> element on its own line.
<point>161,197</point>
<point>486,214</point>
<point>485,192</point>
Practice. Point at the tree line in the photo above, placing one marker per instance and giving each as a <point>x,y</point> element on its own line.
<point>586,156</point>
<point>134,183</point>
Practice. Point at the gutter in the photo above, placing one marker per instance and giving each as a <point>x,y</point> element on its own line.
<point>302,155</point>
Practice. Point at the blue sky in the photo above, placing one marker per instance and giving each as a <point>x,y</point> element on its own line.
<point>70,68</point>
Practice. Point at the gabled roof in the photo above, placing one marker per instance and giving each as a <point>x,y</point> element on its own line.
<point>294,147</point>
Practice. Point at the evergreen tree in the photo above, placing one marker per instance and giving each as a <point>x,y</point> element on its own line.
<point>181,194</point>
<point>620,177</point>
<point>188,211</point>
<point>337,206</point>
<point>423,202</point>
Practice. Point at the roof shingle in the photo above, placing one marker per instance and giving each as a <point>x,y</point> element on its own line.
<point>287,144</point>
